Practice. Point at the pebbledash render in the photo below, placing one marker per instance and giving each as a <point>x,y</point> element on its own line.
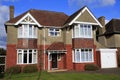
<point>53,39</point>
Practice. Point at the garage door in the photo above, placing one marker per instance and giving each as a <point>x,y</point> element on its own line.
<point>108,59</point>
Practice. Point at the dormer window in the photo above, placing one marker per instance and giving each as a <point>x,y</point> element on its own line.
<point>83,31</point>
<point>27,31</point>
<point>53,32</point>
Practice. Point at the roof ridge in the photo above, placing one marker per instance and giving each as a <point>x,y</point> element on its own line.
<point>46,11</point>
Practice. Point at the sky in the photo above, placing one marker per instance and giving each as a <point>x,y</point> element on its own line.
<point>108,8</point>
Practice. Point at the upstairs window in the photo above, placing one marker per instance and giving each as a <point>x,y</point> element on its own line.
<point>27,31</point>
<point>54,32</point>
<point>83,31</point>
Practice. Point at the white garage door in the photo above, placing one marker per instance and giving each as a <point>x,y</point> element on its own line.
<point>108,59</point>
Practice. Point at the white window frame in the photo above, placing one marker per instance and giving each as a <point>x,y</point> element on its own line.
<point>22,35</point>
<point>21,51</point>
<point>54,31</point>
<point>87,32</point>
<point>80,56</point>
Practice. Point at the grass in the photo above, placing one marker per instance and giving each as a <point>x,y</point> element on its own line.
<point>62,76</point>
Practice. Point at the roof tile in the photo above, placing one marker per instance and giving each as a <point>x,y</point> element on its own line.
<point>57,46</point>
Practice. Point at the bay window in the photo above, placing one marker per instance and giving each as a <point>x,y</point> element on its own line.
<point>27,31</point>
<point>26,56</point>
<point>83,55</point>
<point>83,31</point>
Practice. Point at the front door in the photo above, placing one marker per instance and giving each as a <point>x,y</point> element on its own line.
<point>54,60</point>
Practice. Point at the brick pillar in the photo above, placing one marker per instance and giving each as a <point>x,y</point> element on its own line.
<point>69,63</point>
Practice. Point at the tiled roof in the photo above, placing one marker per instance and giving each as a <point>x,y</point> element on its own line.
<point>48,18</point>
<point>44,17</point>
<point>57,46</point>
<point>113,27</point>
<point>74,15</point>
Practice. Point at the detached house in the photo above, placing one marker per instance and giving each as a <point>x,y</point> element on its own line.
<point>56,40</point>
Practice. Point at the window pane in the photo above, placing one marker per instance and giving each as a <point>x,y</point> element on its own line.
<point>76,31</point>
<point>52,33</point>
<point>30,31</point>
<point>35,32</point>
<point>20,31</point>
<point>89,31</point>
<point>19,57</point>
<point>25,31</point>
<point>82,55</point>
<point>30,57</point>
<point>90,54</point>
<point>57,29</point>
<point>25,58</point>
<point>81,30</point>
<point>77,56</point>
<point>85,31</point>
<point>34,58</point>
<point>51,29</point>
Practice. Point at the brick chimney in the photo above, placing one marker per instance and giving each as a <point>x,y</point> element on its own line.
<point>102,21</point>
<point>11,8</point>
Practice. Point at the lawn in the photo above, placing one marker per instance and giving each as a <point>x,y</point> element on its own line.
<point>62,76</point>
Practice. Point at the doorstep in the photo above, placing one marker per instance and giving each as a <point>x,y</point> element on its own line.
<point>56,70</point>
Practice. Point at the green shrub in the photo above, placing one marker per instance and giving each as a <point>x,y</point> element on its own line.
<point>13,70</point>
<point>91,67</point>
<point>30,69</point>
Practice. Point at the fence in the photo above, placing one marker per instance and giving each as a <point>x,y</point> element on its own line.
<point>2,63</point>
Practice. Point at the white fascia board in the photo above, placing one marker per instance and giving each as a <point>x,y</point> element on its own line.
<point>28,14</point>
<point>107,50</point>
<point>98,23</point>
<point>86,23</point>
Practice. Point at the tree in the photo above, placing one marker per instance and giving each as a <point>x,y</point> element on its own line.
<point>2,51</point>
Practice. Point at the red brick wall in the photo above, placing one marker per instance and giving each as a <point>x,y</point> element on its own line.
<point>80,66</point>
<point>11,57</point>
<point>62,62</point>
<point>98,58</point>
<point>69,63</point>
<point>82,43</point>
<point>27,43</point>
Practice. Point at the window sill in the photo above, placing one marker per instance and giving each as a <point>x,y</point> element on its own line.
<point>26,38</point>
<point>25,63</point>
<point>84,62</point>
<point>83,37</point>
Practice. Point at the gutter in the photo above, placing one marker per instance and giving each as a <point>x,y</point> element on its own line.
<point>44,46</point>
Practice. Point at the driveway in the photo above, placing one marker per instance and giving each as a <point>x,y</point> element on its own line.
<point>115,71</point>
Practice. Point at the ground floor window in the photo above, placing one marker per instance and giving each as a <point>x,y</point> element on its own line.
<point>83,55</point>
<point>26,56</point>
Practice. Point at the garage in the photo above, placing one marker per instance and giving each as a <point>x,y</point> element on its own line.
<point>108,58</point>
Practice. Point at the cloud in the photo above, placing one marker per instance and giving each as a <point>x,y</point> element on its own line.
<point>93,3</point>
<point>108,2</point>
<point>4,13</point>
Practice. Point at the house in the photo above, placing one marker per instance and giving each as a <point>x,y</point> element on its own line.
<point>109,37</point>
<point>53,39</point>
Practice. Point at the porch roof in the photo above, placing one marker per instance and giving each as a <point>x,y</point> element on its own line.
<point>57,47</point>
